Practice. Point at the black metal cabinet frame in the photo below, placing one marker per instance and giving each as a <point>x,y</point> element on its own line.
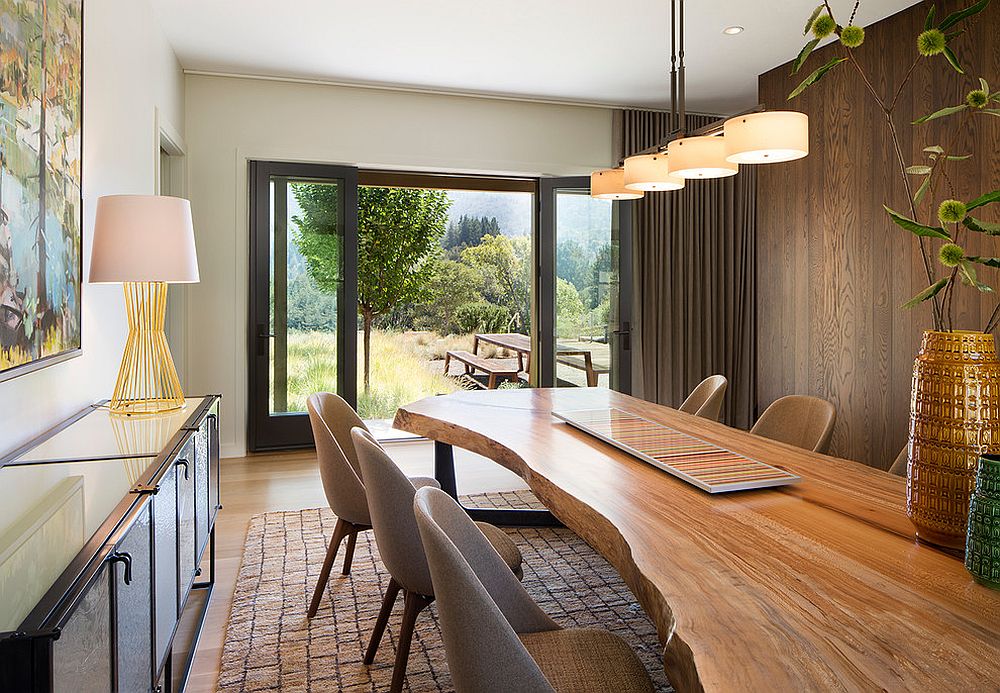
<point>28,656</point>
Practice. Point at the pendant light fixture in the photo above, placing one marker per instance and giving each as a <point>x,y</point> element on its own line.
<point>767,138</point>
<point>754,136</point>
<point>700,157</point>
<point>609,184</point>
<point>650,172</point>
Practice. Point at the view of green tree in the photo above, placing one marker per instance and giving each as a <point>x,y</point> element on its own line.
<point>483,317</point>
<point>570,310</point>
<point>505,265</point>
<point>600,273</point>
<point>452,285</point>
<point>398,237</point>
<point>573,264</point>
<point>309,307</point>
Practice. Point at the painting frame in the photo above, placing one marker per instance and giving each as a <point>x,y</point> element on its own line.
<point>75,348</point>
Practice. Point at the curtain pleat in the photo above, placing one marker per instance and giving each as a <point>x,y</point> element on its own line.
<point>695,281</point>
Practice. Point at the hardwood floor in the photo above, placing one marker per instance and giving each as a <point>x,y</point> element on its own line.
<point>290,481</point>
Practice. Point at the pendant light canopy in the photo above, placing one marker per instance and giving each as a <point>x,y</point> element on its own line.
<point>650,172</point>
<point>700,157</point>
<point>609,184</point>
<point>767,138</point>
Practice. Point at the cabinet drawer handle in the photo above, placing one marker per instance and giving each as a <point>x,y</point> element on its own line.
<point>123,557</point>
<point>186,468</point>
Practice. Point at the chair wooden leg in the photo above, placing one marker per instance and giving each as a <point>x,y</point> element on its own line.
<point>413,604</point>
<point>352,540</point>
<point>492,383</point>
<point>391,592</point>
<point>339,532</point>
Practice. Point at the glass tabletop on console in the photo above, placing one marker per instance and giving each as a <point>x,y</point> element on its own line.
<point>99,434</point>
<point>55,495</point>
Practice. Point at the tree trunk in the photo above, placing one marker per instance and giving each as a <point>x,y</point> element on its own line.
<point>367,318</point>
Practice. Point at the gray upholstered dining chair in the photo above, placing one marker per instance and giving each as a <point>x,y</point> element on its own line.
<point>799,420</point>
<point>390,500</point>
<point>332,420</point>
<point>899,464</point>
<point>705,400</point>
<point>496,637</point>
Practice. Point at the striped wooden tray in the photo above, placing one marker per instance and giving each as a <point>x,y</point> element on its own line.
<point>705,465</point>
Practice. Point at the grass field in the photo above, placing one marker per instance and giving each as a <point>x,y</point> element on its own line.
<point>404,367</point>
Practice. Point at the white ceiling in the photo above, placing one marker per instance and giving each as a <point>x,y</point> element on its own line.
<point>594,51</point>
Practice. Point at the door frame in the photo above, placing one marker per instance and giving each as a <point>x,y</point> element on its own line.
<point>264,431</point>
<point>543,336</point>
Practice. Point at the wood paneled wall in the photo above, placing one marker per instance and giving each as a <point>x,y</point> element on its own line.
<point>832,270</point>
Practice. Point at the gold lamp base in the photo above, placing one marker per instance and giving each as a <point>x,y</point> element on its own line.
<point>147,380</point>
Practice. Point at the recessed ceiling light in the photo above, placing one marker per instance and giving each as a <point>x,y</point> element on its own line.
<point>732,30</point>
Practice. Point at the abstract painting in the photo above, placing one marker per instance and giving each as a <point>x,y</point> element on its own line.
<point>41,88</point>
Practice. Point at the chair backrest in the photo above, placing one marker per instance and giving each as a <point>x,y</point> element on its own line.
<point>390,503</point>
<point>481,604</point>
<point>899,464</point>
<point>706,399</point>
<point>799,420</point>
<point>338,465</point>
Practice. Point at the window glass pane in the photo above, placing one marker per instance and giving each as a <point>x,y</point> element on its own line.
<point>436,268</point>
<point>306,283</point>
<point>586,288</point>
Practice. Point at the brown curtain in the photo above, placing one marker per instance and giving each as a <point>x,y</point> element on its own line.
<point>695,281</point>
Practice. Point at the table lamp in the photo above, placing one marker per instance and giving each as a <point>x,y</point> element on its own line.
<point>144,242</point>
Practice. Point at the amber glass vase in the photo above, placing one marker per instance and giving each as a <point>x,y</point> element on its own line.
<point>954,417</point>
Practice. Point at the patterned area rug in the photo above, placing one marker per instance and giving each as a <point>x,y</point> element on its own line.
<point>271,645</point>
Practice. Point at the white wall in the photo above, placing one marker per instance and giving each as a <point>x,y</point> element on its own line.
<point>130,73</point>
<point>232,120</point>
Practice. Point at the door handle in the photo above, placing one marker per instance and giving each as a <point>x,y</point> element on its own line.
<point>123,557</point>
<point>263,334</point>
<point>624,336</point>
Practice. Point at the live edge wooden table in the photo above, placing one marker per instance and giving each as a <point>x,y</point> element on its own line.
<point>815,586</point>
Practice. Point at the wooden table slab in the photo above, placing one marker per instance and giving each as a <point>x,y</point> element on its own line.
<point>816,586</point>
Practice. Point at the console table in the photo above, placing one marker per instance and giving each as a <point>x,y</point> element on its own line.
<point>107,550</point>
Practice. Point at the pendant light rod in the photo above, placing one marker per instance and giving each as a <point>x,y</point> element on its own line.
<point>673,66</point>
<point>682,115</point>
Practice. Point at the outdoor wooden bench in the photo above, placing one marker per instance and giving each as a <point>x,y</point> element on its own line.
<point>585,364</point>
<point>489,366</point>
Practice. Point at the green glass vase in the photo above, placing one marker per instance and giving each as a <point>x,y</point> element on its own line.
<point>982,545</point>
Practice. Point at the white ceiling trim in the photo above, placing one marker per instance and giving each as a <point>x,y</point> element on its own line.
<point>407,88</point>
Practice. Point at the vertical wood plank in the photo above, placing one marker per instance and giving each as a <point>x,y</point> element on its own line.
<point>832,269</point>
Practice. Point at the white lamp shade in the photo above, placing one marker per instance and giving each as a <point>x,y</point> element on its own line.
<point>700,157</point>
<point>609,184</point>
<point>768,137</point>
<point>649,172</point>
<point>143,238</point>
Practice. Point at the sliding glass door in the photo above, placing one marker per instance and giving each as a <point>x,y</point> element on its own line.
<point>303,295</point>
<point>584,253</point>
<point>448,282</point>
